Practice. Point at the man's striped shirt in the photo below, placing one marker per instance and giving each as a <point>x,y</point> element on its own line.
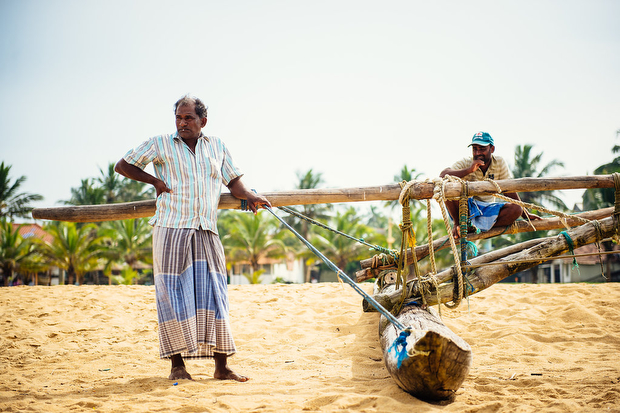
<point>195,179</point>
<point>498,170</point>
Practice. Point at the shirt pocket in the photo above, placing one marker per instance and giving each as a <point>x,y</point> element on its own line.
<point>209,167</point>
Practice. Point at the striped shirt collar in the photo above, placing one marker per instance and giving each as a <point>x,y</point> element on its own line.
<point>176,136</point>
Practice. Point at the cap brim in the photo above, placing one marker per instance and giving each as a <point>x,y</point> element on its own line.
<point>479,143</point>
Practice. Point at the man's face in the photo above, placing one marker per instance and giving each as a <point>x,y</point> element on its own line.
<point>188,123</point>
<point>483,153</point>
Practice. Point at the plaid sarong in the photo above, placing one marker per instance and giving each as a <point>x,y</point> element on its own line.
<point>483,215</point>
<point>191,293</point>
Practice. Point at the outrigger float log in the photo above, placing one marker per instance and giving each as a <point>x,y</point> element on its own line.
<point>423,356</point>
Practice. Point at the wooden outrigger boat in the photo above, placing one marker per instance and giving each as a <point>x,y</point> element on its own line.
<point>427,360</point>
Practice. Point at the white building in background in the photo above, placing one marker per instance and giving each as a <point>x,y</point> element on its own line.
<point>590,268</point>
<point>288,271</point>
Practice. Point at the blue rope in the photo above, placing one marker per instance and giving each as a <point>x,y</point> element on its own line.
<point>571,248</point>
<point>473,249</point>
<point>344,277</point>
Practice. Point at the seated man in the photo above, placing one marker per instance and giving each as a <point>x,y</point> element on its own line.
<point>484,212</point>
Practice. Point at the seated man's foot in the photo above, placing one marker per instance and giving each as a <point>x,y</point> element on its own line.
<point>456,232</point>
<point>179,373</point>
<point>230,375</point>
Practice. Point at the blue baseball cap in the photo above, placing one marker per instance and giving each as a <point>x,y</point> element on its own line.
<point>482,139</point>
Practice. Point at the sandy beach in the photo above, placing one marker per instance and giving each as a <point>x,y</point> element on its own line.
<point>309,347</point>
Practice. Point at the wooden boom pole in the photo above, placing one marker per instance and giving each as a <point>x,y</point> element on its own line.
<point>420,190</point>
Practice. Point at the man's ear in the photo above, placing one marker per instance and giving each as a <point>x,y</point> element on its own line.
<point>492,148</point>
<point>203,122</point>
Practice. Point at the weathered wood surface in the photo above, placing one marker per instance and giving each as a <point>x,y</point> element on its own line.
<point>520,226</point>
<point>420,190</point>
<point>438,360</point>
<point>486,276</point>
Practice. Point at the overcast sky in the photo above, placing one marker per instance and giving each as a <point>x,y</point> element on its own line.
<point>352,89</point>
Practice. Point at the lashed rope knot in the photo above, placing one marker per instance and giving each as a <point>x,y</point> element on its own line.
<point>408,241</point>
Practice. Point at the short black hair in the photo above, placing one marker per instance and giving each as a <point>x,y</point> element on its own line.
<point>201,108</point>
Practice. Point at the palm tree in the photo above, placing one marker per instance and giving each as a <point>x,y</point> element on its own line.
<point>87,194</point>
<point>13,203</point>
<point>109,188</point>
<point>406,174</point>
<point>111,183</point>
<point>597,198</point>
<point>74,249</point>
<point>252,238</point>
<point>135,191</point>
<point>526,165</point>
<point>308,180</point>
<point>15,251</point>
<point>128,241</point>
<point>343,251</point>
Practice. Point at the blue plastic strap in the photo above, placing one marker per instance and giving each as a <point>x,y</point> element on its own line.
<point>401,341</point>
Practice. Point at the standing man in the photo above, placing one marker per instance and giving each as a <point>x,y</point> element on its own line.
<point>484,213</point>
<point>188,258</point>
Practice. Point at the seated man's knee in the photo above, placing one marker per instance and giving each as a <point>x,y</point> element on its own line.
<point>508,214</point>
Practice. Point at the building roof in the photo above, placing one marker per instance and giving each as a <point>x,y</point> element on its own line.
<point>36,231</point>
<point>593,259</point>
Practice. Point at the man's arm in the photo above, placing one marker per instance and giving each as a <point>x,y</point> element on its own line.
<point>133,172</point>
<point>462,173</point>
<point>239,190</point>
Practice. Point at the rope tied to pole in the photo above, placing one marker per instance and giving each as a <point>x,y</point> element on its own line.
<point>616,213</point>
<point>408,241</point>
<point>439,195</point>
<point>599,237</point>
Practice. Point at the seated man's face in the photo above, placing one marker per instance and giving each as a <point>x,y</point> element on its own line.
<point>483,153</point>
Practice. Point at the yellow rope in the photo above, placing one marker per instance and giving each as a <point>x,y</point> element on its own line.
<point>431,254</point>
<point>439,195</point>
<point>616,213</point>
<point>408,241</point>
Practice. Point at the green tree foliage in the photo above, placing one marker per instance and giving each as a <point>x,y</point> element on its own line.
<point>87,194</point>
<point>16,253</point>
<point>309,180</point>
<point>342,251</point>
<point>128,276</point>
<point>251,238</point>
<point>109,188</point>
<point>74,249</point>
<point>255,277</point>
<point>110,183</point>
<point>13,203</point>
<point>406,174</point>
<point>318,212</point>
<point>597,198</point>
<point>127,242</point>
<point>527,165</point>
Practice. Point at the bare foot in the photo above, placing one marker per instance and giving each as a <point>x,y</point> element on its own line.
<point>456,232</point>
<point>179,373</point>
<point>228,374</point>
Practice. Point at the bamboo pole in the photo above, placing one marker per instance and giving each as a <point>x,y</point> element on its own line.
<point>545,224</point>
<point>420,190</point>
